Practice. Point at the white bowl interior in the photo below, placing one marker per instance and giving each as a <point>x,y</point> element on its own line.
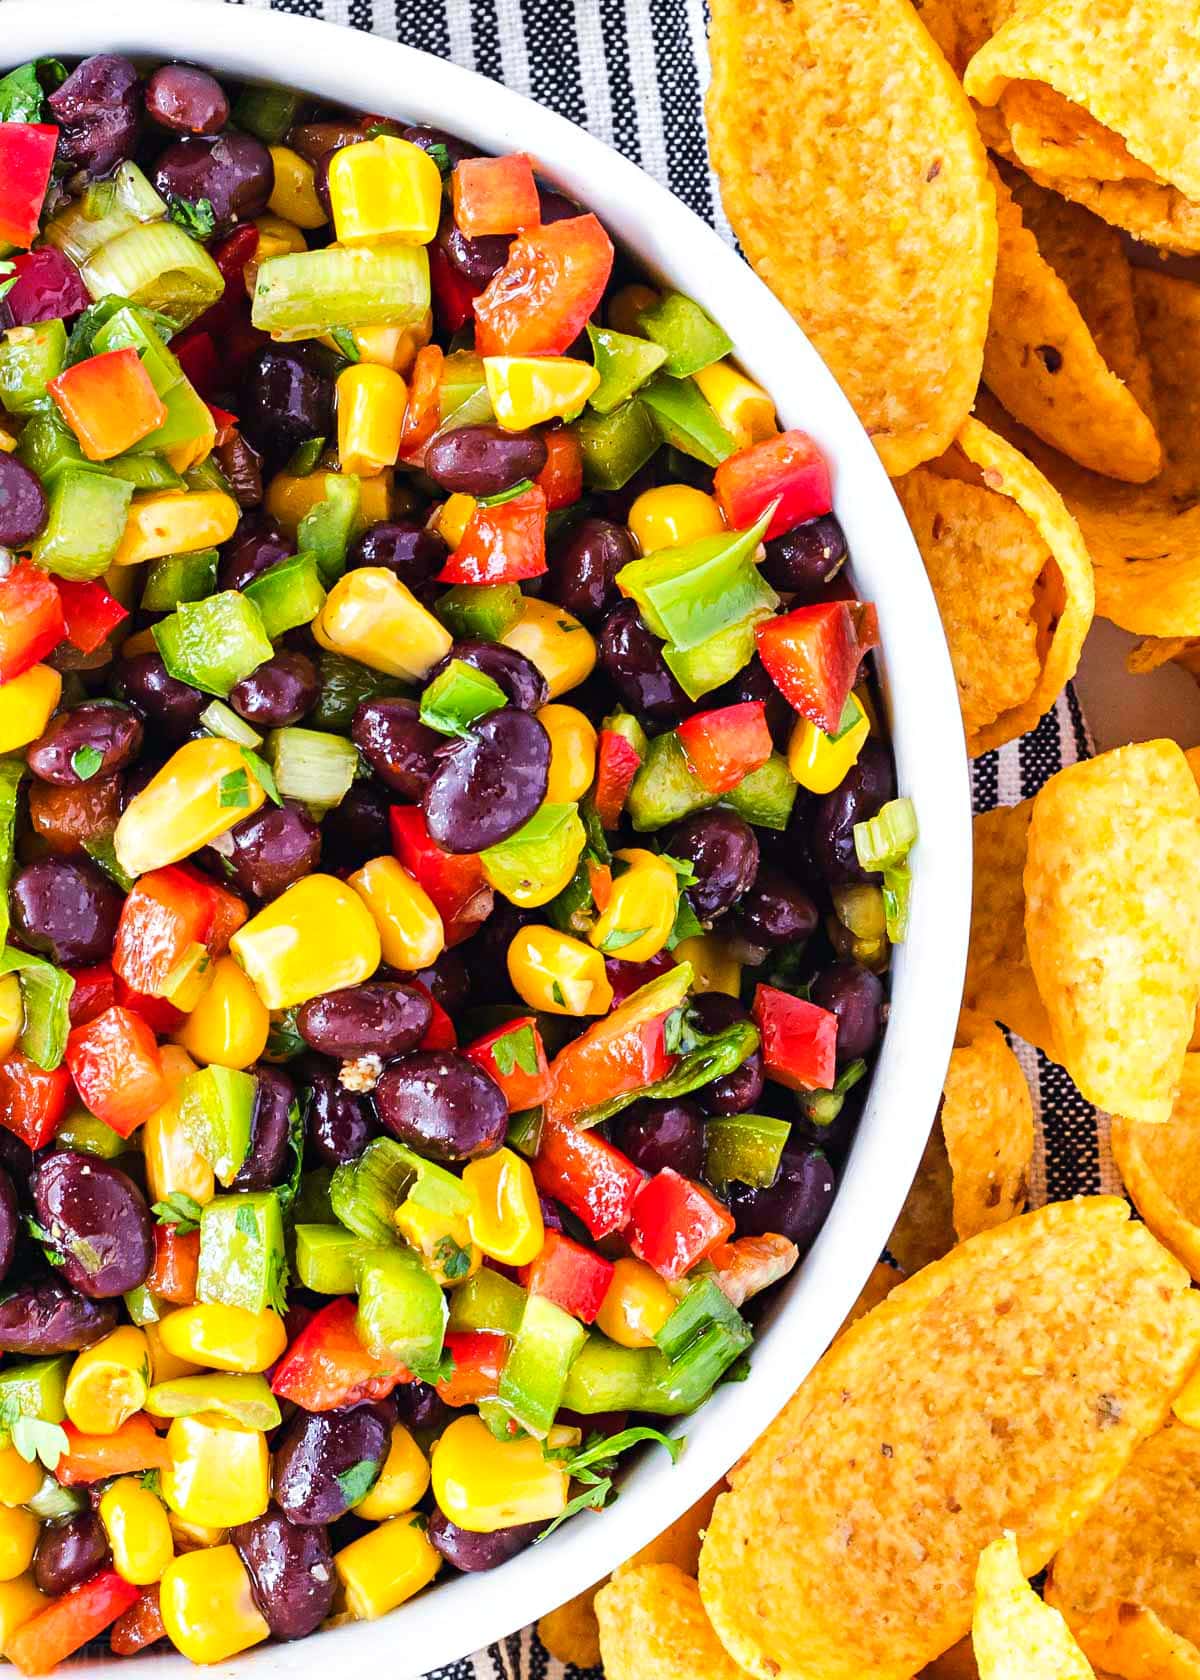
<point>461,1614</point>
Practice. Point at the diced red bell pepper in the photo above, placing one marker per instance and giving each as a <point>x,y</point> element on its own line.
<point>232,254</point>
<point>617,763</point>
<point>725,745</point>
<point>441,1034</point>
<point>675,1223</point>
<point>157,1012</point>
<point>799,1041</point>
<point>140,1626</point>
<point>812,656</point>
<point>228,914</point>
<point>625,1051</point>
<point>136,1445</point>
<point>479,1357</point>
<point>31,612</point>
<point>498,1050</point>
<point>495,195</point>
<point>90,612</point>
<point>224,422</point>
<point>32,1099</point>
<point>540,300</point>
<point>454,881</point>
<point>69,1622</point>
<point>176,1265</point>
<point>501,544</point>
<point>26,161</point>
<point>117,1070</point>
<point>561,479</point>
<point>453,294</point>
<point>788,469</point>
<point>587,1175</point>
<point>197,356</point>
<point>168,912</point>
<point>95,991</point>
<point>327,1366</point>
<point>109,402</point>
<point>422,411</point>
<point>575,1278</point>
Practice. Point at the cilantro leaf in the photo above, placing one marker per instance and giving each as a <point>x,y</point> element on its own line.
<point>452,1258</point>
<point>288,1192</point>
<point>263,774</point>
<point>21,95</point>
<point>194,216</point>
<point>277,1283</point>
<point>509,495</point>
<point>233,790</point>
<point>44,1240</point>
<point>557,993</point>
<point>620,937</point>
<point>441,157</point>
<point>85,761</point>
<point>344,339</point>
<point>356,1482</point>
<point>34,1438</point>
<point>246,1224</point>
<point>683,867</point>
<point>599,1454</point>
<point>516,1049</point>
<point>433,1371</point>
<point>178,1209</point>
<point>687,924</point>
<point>593,1498</point>
<point>8,278</point>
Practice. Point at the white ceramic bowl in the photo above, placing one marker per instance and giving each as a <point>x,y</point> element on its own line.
<point>461,1613</point>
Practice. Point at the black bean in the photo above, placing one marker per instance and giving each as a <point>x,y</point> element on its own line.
<point>99,107</point>
<point>40,1319</point>
<point>270,850</point>
<point>233,172</point>
<point>96,727</point>
<point>22,504</point>
<point>855,996</point>
<point>186,100</point>
<point>401,750</point>
<point>322,1457</point>
<point>489,783</point>
<point>518,676</point>
<point>867,785</point>
<point>98,1221</point>
<point>291,1572</point>
<point>404,546</point>
<point>583,564</point>
<point>278,692</point>
<point>380,1019</point>
<point>10,1223</point>
<point>442,1105</point>
<point>270,1130</point>
<point>67,908</point>
<point>287,398</point>
<point>472,1553</point>
<point>484,460</point>
<point>68,1552</point>
<point>723,850</point>
<point>662,1134</point>
<point>339,1124</point>
<point>169,706</point>
<point>632,660</point>
<point>804,559</point>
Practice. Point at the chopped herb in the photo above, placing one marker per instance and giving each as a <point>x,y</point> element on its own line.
<point>676,1035</point>
<point>8,278</point>
<point>85,761</point>
<point>194,216</point>
<point>44,1240</point>
<point>344,339</point>
<point>288,1192</point>
<point>441,157</point>
<point>305,460</point>
<point>683,867</point>
<point>620,937</point>
<point>517,1048</point>
<point>178,1209</point>
<point>150,1481</point>
<point>34,1438</point>
<point>356,1482</point>
<point>591,1499</point>
<point>599,1455</point>
<point>246,1223</point>
<point>263,775</point>
<point>277,1286</point>
<point>234,789</point>
<point>454,1260</point>
<point>284,1040</point>
<point>21,91</point>
<point>509,495</point>
<point>433,1371</point>
<point>687,924</point>
<point>567,626</point>
<point>557,993</point>
<point>597,843</point>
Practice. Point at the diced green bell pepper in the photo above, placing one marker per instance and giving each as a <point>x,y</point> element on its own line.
<point>689,594</point>
<point>188,419</point>
<point>535,1372</point>
<point>131,328</point>
<point>458,697</point>
<point>616,445</point>
<point>52,1502</point>
<point>345,684</point>
<point>539,852</point>
<point>46,1001</point>
<point>35,1388</point>
<point>401,1309</point>
<point>488,1301</point>
<point>266,112</point>
<point>11,772</point>
<point>214,643</point>
<point>179,577</point>
<point>765,797</point>
<point>685,420</point>
<point>47,445</point>
<point>144,1306</point>
<point>145,472</point>
<point>462,379</point>
<point>247,1399</point>
<point>715,661</point>
<point>608,1378</point>
<point>84,525</point>
<point>216,1107</point>
<point>30,357</point>
<point>624,364</point>
<point>482,611</point>
<point>313,1205</point>
<point>84,1132</point>
<point>288,594</point>
<point>666,787</point>
<point>327,1258</point>
<point>242,1259</point>
<point>326,529</point>
<point>690,339</point>
<point>745,1148</point>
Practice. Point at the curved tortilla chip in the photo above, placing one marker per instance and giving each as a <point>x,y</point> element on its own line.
<point>1015,1635</point>
<point>653,1627</point>
<point>1160,1168</point>
<point>1000,982</point>
<point>958,1663</point>
<point>1112,922</point>
<point>1012,579</point>
<point>1003,1387</point>
<point>1141,1544</point>
<point>570,1633</point>
<point>852,172</point>
<point>1049,133</point>
<point>1044,365</point>
<point>1134,1644</point>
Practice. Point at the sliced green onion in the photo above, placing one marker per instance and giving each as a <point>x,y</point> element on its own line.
<point>525,1131</point>
<point>207,475</point>
<point>85,524</point>
<point>366,1193</point>
<point>288,594</point>
<point>157,265</point>
<point>458,697</point>
<point>309,765</point>
<point>220,719</point>
<point>30,357</point>
<point>179,577</point>
<point>703,1337</point>
<point>11,772</point>
<point>46,1000</point>
<point>540,852</point>
<point>689,594</point>
<point>744,1147</point>
<point>307,293</point>
<point>214,643</point>
<point>823,1107</point>
<point>897,892</point>
<point>326,529</point>
<point>884,840</point>
<point>107,209</point>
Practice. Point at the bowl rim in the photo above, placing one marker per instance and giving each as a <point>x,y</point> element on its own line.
<point>371,72</point>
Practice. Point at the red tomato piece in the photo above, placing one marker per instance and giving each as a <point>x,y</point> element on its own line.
<point>495,195</point>
<point>561,479</point>
<point>69,1622</point>
<point>115,1064</point>
<point>575,1278</point>
<point>327,1366</point>
<point>622,1052</point>
<point>168,912</point>
<point>788,469</point>
<point>812,655</point>
<point>157,1012</point>
<point>26,161</point>
<point>95,991</point>
<point>479,1357</point>
<point>32,1099</point>
<point>90,613</point>
<point>617,763</point>
<point>502,1053</point>
<point>799,1041</point>
<point>675,1223</point>
<point>501,544</point>
<point>31,613</point>
<point>587,1175</point>
<point>725,745</point>
<point>540,300</point>
<point>176,1265</point>
<point>454,881</point>
<point>423,408</point>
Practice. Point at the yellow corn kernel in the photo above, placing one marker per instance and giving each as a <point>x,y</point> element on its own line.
<point>453,517</point>
<point>318,936</point>
<point>171,1162</point>
<point>207,1607</point>
<point>289,498</point>
<point>184,456</point>
<point>442,1239</point>
<point>394,347</point>
<point>558,644</point>
<point>277,237</point>
<point>168,522</point>
<point>636,1305</point>
<point>8,442</point>
<point>19,1531</point>
<point>673,514</point>
<point>194,1537</point>
<point>530,390</point>
<point>12,1014</point>
<point>572,753</point>
<point>714,969</point>
<point>108,1382</point>
<point>743,408</point>
<point>821,762</point>
<point>636,922</point>
<point>369,615</point>
<point>139,1535</point>
<point>26,706</point>
<point>410,928</point>
<point>551,971</point>
<point>385,192</point>
<point>383,1568</point>
<point>19,1481</point>
<point>370,410</point>
<point>180,809</point>
<point>402,1481</point>
<point>164,1365</point>
<point>224,1339</point>
<point>20,1601</point>
<point>505,1216</point>
<point>230,1024</point>
<point>219,1470</point>
<point>294,195</point>
<point>484,1484</point>
<point>625,306</point>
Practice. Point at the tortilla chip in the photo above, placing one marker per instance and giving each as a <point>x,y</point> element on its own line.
<point>1112,921</point>
<point>960,27</point>
<point>1160,1168</point>
<point>1134,1644</point>
<point>653,1627</point>
<point>853,173</point>
<point>1000,982</point>
<point>1141,1544</point>
<point>571,1633</point>
<point>1011,576</point>
<point>1015,1635</point>
<point>1003,1387</point>
<point>1043,364</point>
<point>881,1280</point>
<point>958,1663</point>
<point>679,1544</point>
<point>924,1230</point>
<point>1050,133</point>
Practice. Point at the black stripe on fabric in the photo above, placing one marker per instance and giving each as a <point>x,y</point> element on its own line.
<point>1072,1142</point>
<point>300,8</point>
<point>485,33</point>
<point>1079,728</point>
<point>1040,754</point>
<point>554,72</point>
<point>360,14</point>
<point>614,27</point>
<point>422,24</point>
<point>679,92</point>
<point>985,782</point>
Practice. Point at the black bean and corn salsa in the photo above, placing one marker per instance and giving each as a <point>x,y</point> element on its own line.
<point>450,859</point>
